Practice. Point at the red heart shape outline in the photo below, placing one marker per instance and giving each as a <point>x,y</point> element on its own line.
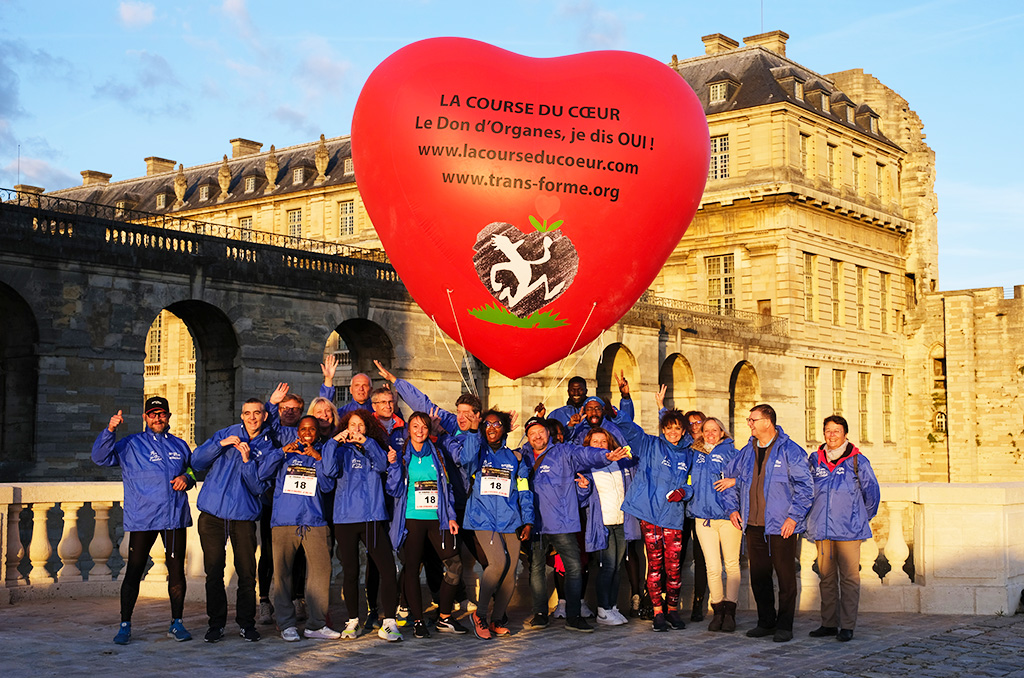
<point>451,134</point>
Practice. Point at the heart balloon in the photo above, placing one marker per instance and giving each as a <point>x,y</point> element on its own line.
<point>527,203</point>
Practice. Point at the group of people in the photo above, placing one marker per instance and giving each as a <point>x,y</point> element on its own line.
<point>589,486</point>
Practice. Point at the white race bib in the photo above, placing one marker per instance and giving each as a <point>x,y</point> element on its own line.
<point>495,482</point>
<point>426,495</point>
<point>300,480</point>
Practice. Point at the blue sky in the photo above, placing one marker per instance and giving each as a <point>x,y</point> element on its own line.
<point>102,85</point>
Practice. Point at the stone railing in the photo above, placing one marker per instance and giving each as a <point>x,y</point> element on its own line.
<point>938,548</point>
<point>696,318</point>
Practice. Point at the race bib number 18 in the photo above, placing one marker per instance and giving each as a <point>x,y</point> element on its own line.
<point>300,480</point>
<point>426,495</point>
<point>496,482</point>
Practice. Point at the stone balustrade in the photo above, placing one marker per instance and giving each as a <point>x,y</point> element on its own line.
<point>938,548</point>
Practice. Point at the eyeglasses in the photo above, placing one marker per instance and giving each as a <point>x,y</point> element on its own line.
<point>751,420</point>
<point>698,422</point>
<point>382,402</point>
<point>290,409</point>
<point>158,415</point>
<point>493,424</point>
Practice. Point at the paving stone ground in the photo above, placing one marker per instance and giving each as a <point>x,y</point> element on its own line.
<point>72,637</point>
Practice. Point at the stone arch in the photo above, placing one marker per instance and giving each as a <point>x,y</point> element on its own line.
<point>216,365</point>
<point>744,393</point>
<point>19,384</point>
<point>358,342</point>
<point>681,388</point>
<point>615,358</point>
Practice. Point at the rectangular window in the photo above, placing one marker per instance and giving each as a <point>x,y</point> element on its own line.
<point>119,208</point>
<point>250,184</point>
<point>298,175</point>
<point>347,217</point>
<point>883,293</point>
<point>348,166</point>
<point>295,223</point>
<point>245,229</point>
<point>856,173</point>
<point>161,201</point>
<point>721,283</point>
<point>798,89</point>
<point>717,92</point>
<point>862,295</point>
<point>190,408</point>
<point>154,344</point>
<point>880,181</point>
<point>805,144</point>
<point>719,168</point>
<point>830,161</point>
<point>838,384</point>
<point>810,280</point>
<point>811,403</point>
<point>204,192</point>
<point>837,292</point>
<point>887,408</point>
<point>863,384</point>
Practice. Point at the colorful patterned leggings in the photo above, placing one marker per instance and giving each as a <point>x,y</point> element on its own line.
<point>664,548</point>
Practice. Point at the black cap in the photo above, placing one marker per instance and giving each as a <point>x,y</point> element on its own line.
<point>533,421</point>
<point>157,403</point>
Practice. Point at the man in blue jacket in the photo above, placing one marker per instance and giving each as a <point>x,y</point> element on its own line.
<point>230,503</point>
<point>570,414</point>
<point>770,502</point>
<point>154,466</point>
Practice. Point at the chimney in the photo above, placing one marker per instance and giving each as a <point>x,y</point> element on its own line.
<point>716,42</point>
<point>773,41</point>
<point>243,147</point>
<point>155,165</point>
<point>32,193</point>
<point>94,178</point>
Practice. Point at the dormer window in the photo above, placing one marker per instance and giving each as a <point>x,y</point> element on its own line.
<point>348,166</point>
<point>721,87</point>
<point>161,201</point>
<point>849,114</point>
<point>119,208</point>
<point>204,192</point>
<point>798,89</point>
<point>250,184</point>
<point>298,175</point>
<point>718,92</point>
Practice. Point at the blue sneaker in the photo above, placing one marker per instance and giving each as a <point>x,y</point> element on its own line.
<point>178,631</point>
<point>124,634</point>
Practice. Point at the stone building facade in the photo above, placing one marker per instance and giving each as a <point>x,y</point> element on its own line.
<point>807,279</point>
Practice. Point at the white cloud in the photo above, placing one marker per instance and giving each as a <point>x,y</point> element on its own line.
<point>136,14</point>
<point>321,74</point>
<point>598,28</point>
<point>35,172</point>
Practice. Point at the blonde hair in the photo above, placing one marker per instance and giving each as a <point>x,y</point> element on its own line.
<point>725,431</point>
<point>334,412</point>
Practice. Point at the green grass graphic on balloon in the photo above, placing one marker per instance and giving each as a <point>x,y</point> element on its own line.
<point>493,313</point>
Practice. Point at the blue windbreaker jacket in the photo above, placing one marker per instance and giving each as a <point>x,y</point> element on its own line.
<point>788,487</point>
<point>232,489</point>
<point>845,498</point>
<point>296,509</point>
<point>596,533</point>
<point>419,402</point>
<point>556,506</point>
<point>360,484</point>
<point>149,462</point>
<point>705,468</point>
<point>397,485</point>
<point>494,513</point>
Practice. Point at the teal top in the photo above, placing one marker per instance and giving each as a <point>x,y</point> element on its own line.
<point>422,481</point>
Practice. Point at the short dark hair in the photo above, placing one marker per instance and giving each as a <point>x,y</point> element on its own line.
<point>470,399</point>
<point>297,398</point>
<point>422,416</point>
<point>766,410</point>
<point>577,380</point>
<point>673,416</point>
<point>693,412</point>
<point>836,419</point>
<point>253,401</point>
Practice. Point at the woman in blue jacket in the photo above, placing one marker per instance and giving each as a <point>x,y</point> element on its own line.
<point>656,497</point>
<point>500,511</point>
<point>719,539</point>
<point>846,498</point>
<point>424,512</point>
<point>357,460</point>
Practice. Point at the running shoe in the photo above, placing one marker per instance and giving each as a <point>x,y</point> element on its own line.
<point>578,624</point>
<point>389,631</point>
<point>372,621</point>
<point>419,629</point>
<point>124,634</point>
<point>402,618</point>
<point>290,634</point>
<point>213,634</point>
<point>537,621</point>
<point>675,620</point>
<point>559,612</point>
<point>250,634</point>
<point>178,631</point>
<point>634,605</point>
<point>266,613</point>
<point>585,610</point>
<point>621,617</point>
<point>660,623</point>
<point>301,612</point>
<point>499,629</point>
<point>608,617</point>
<point>480,628</point>
<point>322,633</point>
<point>450,624</point>
<point>351,631</point>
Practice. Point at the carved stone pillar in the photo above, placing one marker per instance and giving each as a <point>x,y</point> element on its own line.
<point>15,549</point>
<point>101,547</point>
<point>896,549</point>
<point>39,550</point>
<point>70,546</point>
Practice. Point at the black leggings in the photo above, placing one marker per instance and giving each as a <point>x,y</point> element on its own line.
<point>139,546</point>
<point>419,533</point>
<point>378,553</point>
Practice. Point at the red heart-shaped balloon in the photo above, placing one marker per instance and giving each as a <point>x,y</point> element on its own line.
<point>527,203</point>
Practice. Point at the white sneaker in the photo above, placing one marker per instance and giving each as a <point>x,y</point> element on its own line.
<point>559,612</point>
<point>324,633</point>
<point>621,617</point>
<point>585,610</point>
<point>351,631</point>
<point>389,631</point>
<point>606,617</point>
<point>290,634</point>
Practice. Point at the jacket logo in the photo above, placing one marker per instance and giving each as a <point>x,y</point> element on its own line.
<point>717,458</point>
<point>681,466</point>
<point>821,472</point>
<point>666,462</point>
<point>544,468</point>
<point>357,463</point>
<point>840,470</point>
<point>153,456</point>
<point>778,463</point>
<point>700,458</point>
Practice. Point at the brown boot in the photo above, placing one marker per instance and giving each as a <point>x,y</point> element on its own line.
<point>728,616</point>
<point>716,620</point>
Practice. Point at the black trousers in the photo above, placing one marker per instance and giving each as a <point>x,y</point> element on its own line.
<point>139,546</point>
<point>214,533</point>
<point>776,554</point>
<point>420,533</point>
<point>374,536</point>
